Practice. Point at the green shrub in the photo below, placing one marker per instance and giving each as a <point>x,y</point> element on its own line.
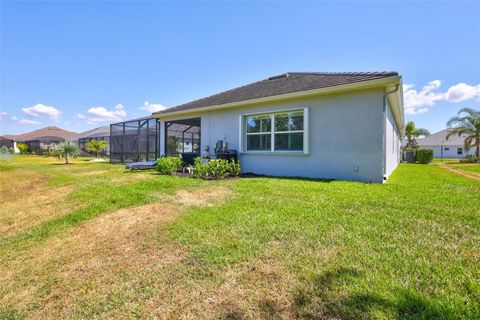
<point>23,148</point>
<point>6,150</point>
<point>216,169</point>
<point>6,153</point>
<point>424,155</point>
<point>96,146</point>
<point>169,165</point>
<point>470,158</point>
<point>53,150</point>
<point>67,150</point>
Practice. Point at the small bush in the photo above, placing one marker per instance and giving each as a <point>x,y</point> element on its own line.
<point>424,155</point>
<point>470,159</point>
<point>216,169</point>
<point>6,153</point>
<point>53,150</point>
<point>23,148</point>
<point>6,150</point>
<point>67,150</point>
<point>169,165</point>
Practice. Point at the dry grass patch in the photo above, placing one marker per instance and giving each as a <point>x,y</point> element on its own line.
<point>202,197</point>
<point>28,201</point>
<point>131,177</point>
<point>463,173</point>
<point>260,288</point>
<point>71,273</point>
<point>20,184</point>
<point>91,173</point>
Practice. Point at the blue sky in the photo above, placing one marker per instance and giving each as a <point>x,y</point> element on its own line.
<point>80,65</point>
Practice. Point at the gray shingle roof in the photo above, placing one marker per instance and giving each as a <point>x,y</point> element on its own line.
<point>437,138</point>
<point>282,84</point>
<point>97,132</point>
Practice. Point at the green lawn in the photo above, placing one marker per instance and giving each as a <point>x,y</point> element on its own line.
<point>89,240</point>
<point>474,168</point>
<point>446,160</point>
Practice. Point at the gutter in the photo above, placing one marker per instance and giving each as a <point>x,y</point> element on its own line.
<point>384,130</point>
<point>328,90</point>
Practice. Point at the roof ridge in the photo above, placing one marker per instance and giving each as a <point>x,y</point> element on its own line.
<point>353,73</point>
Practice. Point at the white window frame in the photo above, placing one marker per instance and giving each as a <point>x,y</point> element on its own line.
<point>243,132</point>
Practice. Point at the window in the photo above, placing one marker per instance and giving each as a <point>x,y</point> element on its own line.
<point>446,149</point>
<point>459,151</point>
<point>275,132</point>
<point>259,133</point>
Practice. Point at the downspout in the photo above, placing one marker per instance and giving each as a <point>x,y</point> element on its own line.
<point>384,133</point>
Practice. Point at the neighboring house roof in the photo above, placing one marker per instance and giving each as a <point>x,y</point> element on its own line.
<point>46,139</point>
<point>5,138</point>
<point>97,132</point>
<point>46,132</point>
<point>440,138</point>
<point>286,83</point>
<point>10,136</point>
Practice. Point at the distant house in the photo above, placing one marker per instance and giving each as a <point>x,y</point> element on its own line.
<point>39,140</point>
<point>318,125</point>
<point>39,144</point>
<point>451,148</point>
<point>100,134</point>
<point>7,142</point>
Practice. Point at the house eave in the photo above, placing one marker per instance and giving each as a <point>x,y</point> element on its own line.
<point>396,102</point>
<point>377,83</point>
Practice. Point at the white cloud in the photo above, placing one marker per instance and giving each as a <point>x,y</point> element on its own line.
<point>461,92</point>
<point>152,107</point>
<point>26,121</point>
<point>416,111</point>
<point>42,110</point>
<point>14,118</point>
<point>417,102</point>
<point>2,115</point>
<point>101,114</point>
<point>79,116</point>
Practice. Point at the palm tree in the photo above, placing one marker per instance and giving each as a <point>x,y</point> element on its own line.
<point>468,125</point>
<point>68,150</point>
<point>411,133</point>
<point>96,146</point>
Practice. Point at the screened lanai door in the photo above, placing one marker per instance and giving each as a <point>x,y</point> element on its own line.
<point>182,137</point>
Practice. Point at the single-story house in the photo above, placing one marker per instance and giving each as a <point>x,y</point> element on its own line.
<point>454,147</point>
<point>7,142</point>
<point>345,125</point>
<point>99,134</point>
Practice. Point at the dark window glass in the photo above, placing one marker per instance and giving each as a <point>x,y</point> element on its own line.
<point>289,141</point>
<point>459,151</point>
<point>259,142</point>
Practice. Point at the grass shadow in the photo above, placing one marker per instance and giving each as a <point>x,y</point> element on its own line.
<point>323,297</point>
